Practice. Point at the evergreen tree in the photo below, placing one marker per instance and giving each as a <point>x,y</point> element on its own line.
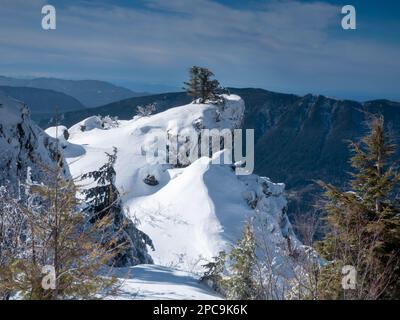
<point>104,203</point>
<point>201,85</point>
<point>193,85</point>
<point>214,274</point>
<point>104,197</point>
<point>365,222</point>
<point>242,284</point>
<point>54,236</point>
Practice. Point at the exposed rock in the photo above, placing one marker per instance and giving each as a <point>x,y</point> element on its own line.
<point>150,180</point>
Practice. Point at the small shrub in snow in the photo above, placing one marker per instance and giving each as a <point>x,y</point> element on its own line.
<point>99,122</point>
<point>108,122</point>
<point>146,110</point>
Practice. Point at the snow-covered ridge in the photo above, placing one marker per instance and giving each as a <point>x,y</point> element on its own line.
<point>190,212</point>
<point>23,144</point>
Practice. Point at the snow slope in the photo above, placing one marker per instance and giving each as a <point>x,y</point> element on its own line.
<point>194,211</point>
<point>151,282</point>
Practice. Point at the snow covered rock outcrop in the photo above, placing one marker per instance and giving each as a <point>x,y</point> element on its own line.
<point>61,133</point>
<point>23,145</point>
<point>198,207</point>
<point>96,122</point>
<point>202,210</point>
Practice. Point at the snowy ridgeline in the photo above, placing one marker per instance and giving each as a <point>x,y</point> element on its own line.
<point>193,211</point>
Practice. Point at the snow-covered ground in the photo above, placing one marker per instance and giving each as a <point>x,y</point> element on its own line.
<point>152,282</point>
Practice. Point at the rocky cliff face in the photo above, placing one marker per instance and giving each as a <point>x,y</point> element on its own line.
<point>304,139</point>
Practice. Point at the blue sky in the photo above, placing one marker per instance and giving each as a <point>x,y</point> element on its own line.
<point>287,45</point>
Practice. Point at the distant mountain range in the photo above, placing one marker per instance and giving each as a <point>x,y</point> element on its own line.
<point>43,103</point>
<point>299,139</point>
<point>303,139</point>
<point>90,93</point>
<point>124,109</point>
